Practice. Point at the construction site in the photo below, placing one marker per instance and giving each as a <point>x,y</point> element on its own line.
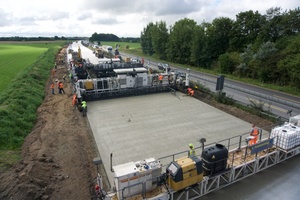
<point>137,164</point>
<point>134,141</point>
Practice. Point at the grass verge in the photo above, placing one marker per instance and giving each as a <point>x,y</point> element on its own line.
<point>21,98</point>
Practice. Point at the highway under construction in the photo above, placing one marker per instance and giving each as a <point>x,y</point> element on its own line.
<point>153,130</point>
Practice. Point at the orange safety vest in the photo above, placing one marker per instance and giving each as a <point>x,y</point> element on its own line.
<point>73,102</point>
<point>192,92</point>
<point>160,77</point>
<point>254,132</point>
<point>61,85</point>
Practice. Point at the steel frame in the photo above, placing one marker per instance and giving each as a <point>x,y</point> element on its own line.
<point>234,174</point>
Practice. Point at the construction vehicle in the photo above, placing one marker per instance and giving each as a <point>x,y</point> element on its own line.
<point>124,81</point>
<point>99,53</point>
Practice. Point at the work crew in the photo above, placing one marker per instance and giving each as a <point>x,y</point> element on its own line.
<point>61,88</point>
<point>192,150</point>
<point>254,132</point>
<point>52,87</point>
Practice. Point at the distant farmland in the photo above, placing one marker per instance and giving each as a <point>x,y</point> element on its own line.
<point>16,57</point>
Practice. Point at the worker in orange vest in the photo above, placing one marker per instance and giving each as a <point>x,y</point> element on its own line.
<point>61,87</point>
<point>190,92</point>
<point>74,101</point>
<point>254,133</point>
<point>160,78</point>
<point>52,87</point>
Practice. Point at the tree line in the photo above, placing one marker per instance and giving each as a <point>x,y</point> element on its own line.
<point>108,37</point>
<point>263,47</point>
<point>39,38</point>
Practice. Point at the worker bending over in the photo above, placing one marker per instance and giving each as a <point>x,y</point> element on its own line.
<point>190,92</point>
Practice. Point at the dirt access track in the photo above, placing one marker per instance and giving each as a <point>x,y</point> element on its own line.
<point>57,156</point>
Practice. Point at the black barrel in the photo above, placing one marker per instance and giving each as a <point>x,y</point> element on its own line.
<point>214,159</point>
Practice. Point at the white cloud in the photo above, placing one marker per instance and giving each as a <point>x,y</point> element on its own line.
<point>122,18</point>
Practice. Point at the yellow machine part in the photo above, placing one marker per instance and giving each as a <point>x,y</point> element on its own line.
<point>184,183</point>
<point>187,164</point>
<point>79,52</point>
<point>89,85</point>
<point>190,176</point>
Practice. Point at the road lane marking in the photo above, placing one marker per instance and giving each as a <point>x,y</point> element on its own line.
<point>268,105</point>
<point>279,97</point>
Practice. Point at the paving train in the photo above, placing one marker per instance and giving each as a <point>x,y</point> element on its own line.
<point>125,81</point>
<point>218,165</point>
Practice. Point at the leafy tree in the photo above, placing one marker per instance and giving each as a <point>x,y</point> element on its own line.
<point>198,54</point>
<point>265,50</point>
<point>159,39</point>
<point>246,29</point>
<point>292,22</point>
<point>218,36</point>
<point>243,70</point>
<point>274,26</point>
<point>227,62</point>
<point>289,65</point>
<point>180,41</point>
<point>103,37</point>
<point>146,39</point>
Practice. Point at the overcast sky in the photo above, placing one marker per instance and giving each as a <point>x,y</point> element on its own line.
<point>124,18</point>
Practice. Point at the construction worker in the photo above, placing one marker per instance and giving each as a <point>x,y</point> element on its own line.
<point>74,101</point>
<point>61,87</point>
<point>192,150</point>
<point>190,92</point>
<point>254,132</point>
<point>52,87</point>
<point>84,108</point>
<point>160,78</point>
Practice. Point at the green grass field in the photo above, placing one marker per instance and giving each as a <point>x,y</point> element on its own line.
<point>15,57</point>
<point>132,45</point>
<point>25,68</point>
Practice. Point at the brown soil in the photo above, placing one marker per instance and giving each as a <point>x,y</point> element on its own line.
<point>57,156</point>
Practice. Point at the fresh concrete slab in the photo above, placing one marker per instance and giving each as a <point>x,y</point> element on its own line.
<point>156,125</point>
